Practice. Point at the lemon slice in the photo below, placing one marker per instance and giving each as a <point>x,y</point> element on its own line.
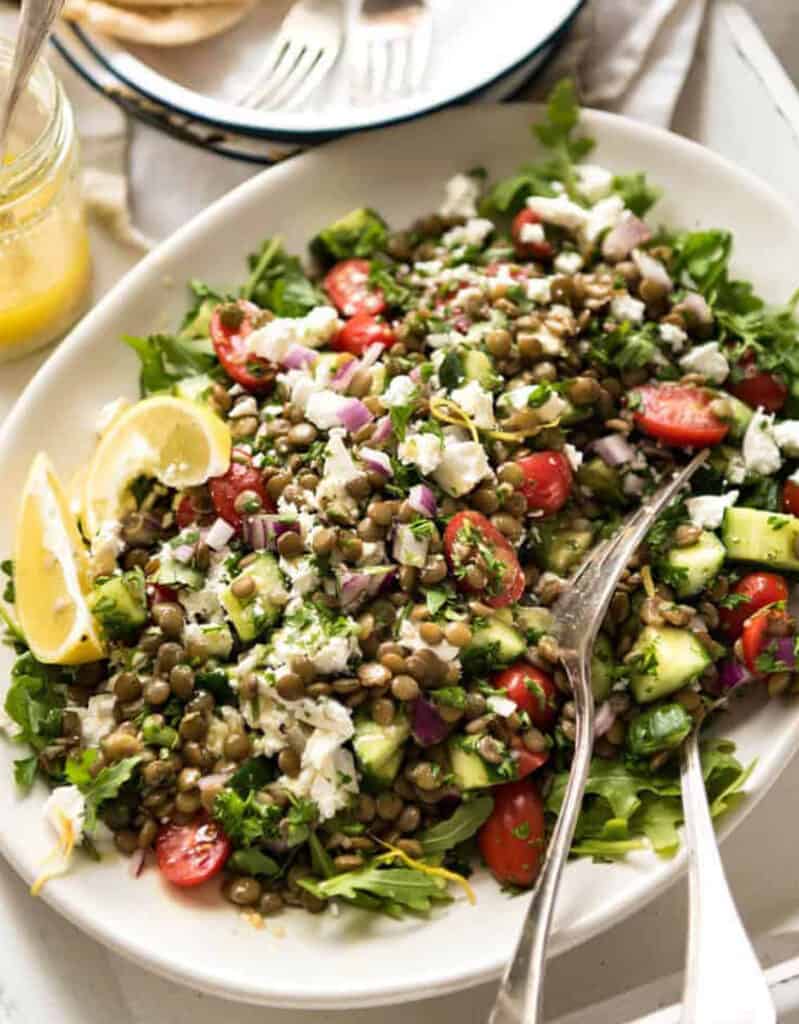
<point>51,574</point>
<point>179,442</point>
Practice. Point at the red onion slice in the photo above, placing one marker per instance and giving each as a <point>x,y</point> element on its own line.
<point>297,357</point>
<point>614,449</point>
<point>786,652</point>
<point>342,378</point>
<point>353,415</point>
<point>382,431</point>
<point>372,354</point>
<point>604,719</point>
<point>620,241</point>
<point>377,461</point>
<point>183,553</point>
<point>260,533</point>
<point>428,726</point>
<point>422,500</point>
<point>732,673</point>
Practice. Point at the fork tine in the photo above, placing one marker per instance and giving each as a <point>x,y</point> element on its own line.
<point>420,42</point>
<point>399,49</point>
<point>305,64</point>
<point>276,76</point>
<point>378,68</point>
<point>272,62</point>
<point>314,78</point>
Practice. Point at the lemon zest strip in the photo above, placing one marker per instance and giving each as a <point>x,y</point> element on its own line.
<point>426,869</point>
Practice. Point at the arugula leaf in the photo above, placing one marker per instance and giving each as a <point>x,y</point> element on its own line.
<point>254,773</point>
<point>245,820</point>
<point>628,347</point>
<point>103,786</point>
<point>403,887</point>
<point>278,282</point>
<point>25,769</point>
<point>35,700</point>
<point>321,861</point>
<point>302,815</point>
<point>395,294</point>
<point>508,195</point>
<point>254,862</point>
<point>166,359</point>
<point>463,824</point>
<point>196,322</point>
<point>451,371</point>
<point>660,728</point>
<point>701,259</point>
<point>638,195</point>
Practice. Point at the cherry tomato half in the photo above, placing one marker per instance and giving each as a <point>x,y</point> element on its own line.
<point>225,489</point>
<point>157,593</point>
<point>538,250</point>
<point>512,840</point>
<point>755,638</point>
<point>472,543</point>
<point>348,286</point>
<point>361,331</point>
<point>548,481</point>
<point>759,589</point>
<point>758,387</point>
<point>527,761</point>
<point>531,690</point>
<point>229,336</point>
<point>679,415</point>
<point>790,498</point>
<point>191,854</point>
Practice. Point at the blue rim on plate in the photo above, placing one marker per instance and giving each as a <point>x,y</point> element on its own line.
<point>85,42</point>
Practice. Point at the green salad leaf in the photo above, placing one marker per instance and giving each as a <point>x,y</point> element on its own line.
<point>393,888</point>
<point>278,282</point>
<point>35,700</point>
<point>462,825</point>
<point>166,359</point>
<point>638,195</point>
<point>103,786</point>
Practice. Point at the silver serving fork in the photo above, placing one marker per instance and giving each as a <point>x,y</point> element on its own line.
<point>389,48</point>
<point>578,615</point>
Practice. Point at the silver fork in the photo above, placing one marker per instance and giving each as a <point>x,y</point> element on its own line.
<point>307,45</point>
<point>578,614</point>
<point>389,48</point>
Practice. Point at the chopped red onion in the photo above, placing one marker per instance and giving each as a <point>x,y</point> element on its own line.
<point>604,719</point>
<point>372,354</point>
<point>415,374</point>
<point>297,357</point>
<point>354,415</point>
<point>614,449</point>
<point>652,269</point>
<point>377,461</point>
<point>626,236</point>
<point>732,673</point>
<point>429,727</point>
<point>409,549</point>
<point>786,653</point>
<point>219,534</point>
<point>183,553</point>
<point>382,431</point>
<point>422,500</point>
<point>136,863</point>
<point>342,378</point>
<point>696,311</point>
<point>357,584</point>
<point>261,532</point>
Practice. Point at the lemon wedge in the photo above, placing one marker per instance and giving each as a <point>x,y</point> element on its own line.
<point>178,442</point>
<point>51,574</point>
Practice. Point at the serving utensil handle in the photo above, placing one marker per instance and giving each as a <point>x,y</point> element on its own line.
<point>724,982</point>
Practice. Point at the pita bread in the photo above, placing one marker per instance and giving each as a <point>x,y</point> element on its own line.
<point>153,25</point>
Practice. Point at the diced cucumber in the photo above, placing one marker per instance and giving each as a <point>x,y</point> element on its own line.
<point>670,658</point>
<point>172,573</point>
<point>200,324</point>
<point>692,568</point>
<point>561,550</point>
<point>468,768</point>
<point>120,603</point>
<point>534,621</point>
<point>217,637</point>
<point>738,417</point>
<point>361,233</point>
<point>478,366</point>
<point>602,665</point>
<point>602,480</point>
<point>753,535</point>
<point>509,642</point>
<point>196,389</point>
<point>378,749</point>
<point>251,615</point>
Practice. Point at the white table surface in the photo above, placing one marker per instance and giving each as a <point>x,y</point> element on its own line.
<point>50,972</point>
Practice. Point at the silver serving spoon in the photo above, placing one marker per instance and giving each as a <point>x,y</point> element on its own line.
<point>36,20</point>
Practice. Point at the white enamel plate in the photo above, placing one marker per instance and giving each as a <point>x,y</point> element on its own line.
<point>356,959</point>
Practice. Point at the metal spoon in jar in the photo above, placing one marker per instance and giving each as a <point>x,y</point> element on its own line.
<point>36,20</point>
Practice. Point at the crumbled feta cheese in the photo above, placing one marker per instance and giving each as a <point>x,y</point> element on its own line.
<point>410,637</point>
<point>421,450</point>
<point>603,216</point>
<point>736,469</point>
<point>674,336</point>
<point>324,409</point>
<point>708,360</point>
<point>309,634</point>
<point>552,408</point>
<point>332,784</point>
<point>477,403</point>
<point>400,391</point>
<point>502,706</point>
<point>561,211</point>
<point>760,451</point>
<point>568,262</point>
<point>275,338</point>
<point>786,434</point>
<point>461,193</point>
<point>428,268</point>
<point>551,343</point>
<point>302,572</point>
<point>204,603</point>
<point>65,811</point>
<point>539,289</point>
<point>339,463</point>
<point>574,455</point>
<point>463,465</point>
<point>593,181</point>
<point>625,307</point>
<point>108,413</point>
<point>707,510</point>
<point>517,398</point>
<point>474,232</point>
<point>245,406</point>
<point>440,340</point>
<point>97,720</point>
<point>532,234</point>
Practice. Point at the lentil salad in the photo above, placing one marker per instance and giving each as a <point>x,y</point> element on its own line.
<point>343,688</point>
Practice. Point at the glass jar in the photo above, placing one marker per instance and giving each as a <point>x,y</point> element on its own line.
<point>45,269</point>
